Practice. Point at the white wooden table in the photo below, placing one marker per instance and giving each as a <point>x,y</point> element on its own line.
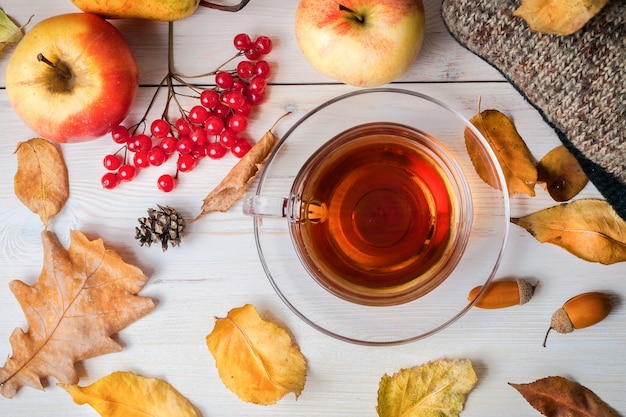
<point>217,267</point>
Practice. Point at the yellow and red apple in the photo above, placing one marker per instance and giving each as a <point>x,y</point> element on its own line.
<point>72,77</point>
<point>365,43</point>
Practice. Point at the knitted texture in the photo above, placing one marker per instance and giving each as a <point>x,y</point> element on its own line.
<point>576,82</point>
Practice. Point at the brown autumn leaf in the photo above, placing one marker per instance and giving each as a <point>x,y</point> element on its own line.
<point>561,173</point>
<point>41,181</point>
<point>83,295</point>
<point>233,187</point>
<point>560,17</point>
<point>125,394</point>
<point>255,358</point>
<point>517,162</point>
<point>588,228</point>
<point>556,396</point>
<point>436,389</point>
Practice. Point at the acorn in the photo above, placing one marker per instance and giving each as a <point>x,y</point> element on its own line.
<point>503,293</point>
<point>581,311</point>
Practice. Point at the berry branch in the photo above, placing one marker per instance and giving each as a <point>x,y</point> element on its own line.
<point>211,128</point>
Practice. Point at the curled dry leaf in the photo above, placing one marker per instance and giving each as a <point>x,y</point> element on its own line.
<point>561,173</point>
<point>560,17</point>
<point>256,359</point>
<point>41,181</point>
<point>125,394</point>
<point>234,186</point>
<point>517,162</point>
<point>10,33</point>
<point>556,396</point>
<point>83,296</point>
<point>434,389</point>
<point>588,228</point>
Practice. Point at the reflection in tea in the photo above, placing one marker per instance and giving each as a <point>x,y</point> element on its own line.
<point>381,212</point>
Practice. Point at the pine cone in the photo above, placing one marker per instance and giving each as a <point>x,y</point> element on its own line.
<point>165,225</point>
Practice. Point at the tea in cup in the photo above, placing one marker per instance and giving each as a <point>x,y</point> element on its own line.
<point>379,215</point>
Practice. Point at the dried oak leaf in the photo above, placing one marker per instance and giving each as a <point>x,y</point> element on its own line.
<point>561,173</point>
<point>435,389</point>
<point>41,181</point>
<point>588,228</point>
<point>233,187</point>
<point>560,17</point>
<point>255,358</point>
<point>517,162</point>
<point>82,297</point>
<point>556,396</point>
<point>125,394</point>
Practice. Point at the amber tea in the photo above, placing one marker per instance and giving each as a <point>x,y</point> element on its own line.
<point>379,215</point>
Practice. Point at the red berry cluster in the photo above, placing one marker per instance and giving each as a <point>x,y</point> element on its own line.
<point>210,128</point>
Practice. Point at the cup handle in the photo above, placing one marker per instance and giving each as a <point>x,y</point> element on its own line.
<point>292,208</point>
<point>265,206</point>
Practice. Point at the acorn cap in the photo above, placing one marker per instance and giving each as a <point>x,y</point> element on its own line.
<point>560,322</point>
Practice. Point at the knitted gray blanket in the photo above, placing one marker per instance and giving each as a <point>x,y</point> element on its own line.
<point>576,82</point>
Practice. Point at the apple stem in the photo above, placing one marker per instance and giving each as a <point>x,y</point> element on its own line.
<point>61,69</point>
<point>352,12</point>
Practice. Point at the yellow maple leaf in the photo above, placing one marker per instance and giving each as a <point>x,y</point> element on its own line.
<point>435,389</point>
<point>83,296</point>
<point>256,359</point>
<point>125,394</point>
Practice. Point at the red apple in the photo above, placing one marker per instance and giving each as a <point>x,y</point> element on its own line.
<point>364,43</point>
<point>72,77</point>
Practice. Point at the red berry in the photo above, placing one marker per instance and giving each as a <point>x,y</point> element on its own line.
<point>120,134</point>
<point>238,122</point>
<point>214,125</point>
<point>246,109</point>
<point>252,54</point>
<point>263,44</point>
<point>228,138</point>
<point>131,145</point>
<point>245,69</point>
<point>242,146</point>
<point>140,160</point>
<point>215,150</point>
<point>262,69</point>
<point>142,142</point>
<point>199,150</point>
<point>112,162</point>
<point>235,100</point>
<point>199,136</point>
<point>182,126</point>
<point>127,172</point>
<point>256,98</point>
<point>186,162</point>
<point>185,145</point>
<point>257,84</point>
<point>166,183</point>
<point>156,156</point>
<point>160,128</point>
<point>209,98</point>
<point>198,115</point>
<point>242,41</point>
<point>110,180</point>
<point>224,79</point>
<point>222,110</point>
<point>168,144</point>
